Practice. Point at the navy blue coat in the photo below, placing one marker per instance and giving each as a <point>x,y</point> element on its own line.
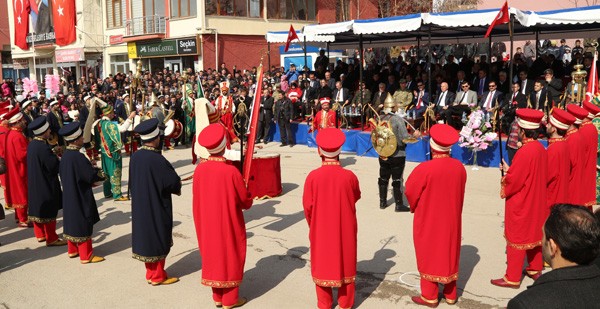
<point>44,194</point>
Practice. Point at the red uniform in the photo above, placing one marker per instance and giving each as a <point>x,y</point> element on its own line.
<point>435,191</point>
<point>576,155</point>
<point>524,188</point>
<point>3,134</point>
<point>329,199</point>
<point>219,196</point>
<point>589,139</point>
<point>559,167</point>
<point>225,108</point>
<point>16,172</point>
<point>324,119</point>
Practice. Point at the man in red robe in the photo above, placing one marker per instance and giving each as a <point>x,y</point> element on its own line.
<point>524,188</point>
<point>226,109</point>
<point>577,154</point>
<point>3,133</point>
<point>219,196</point>
<point>559,165</point>
<point>325,118</point>
<point>589,135</point>
<point>435,191</point>
<point>329,199</point>
<point>16,166</point>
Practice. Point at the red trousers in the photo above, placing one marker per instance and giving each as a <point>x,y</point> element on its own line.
<point>135,147</point>
<point>21,214</point>
<point>45,230</point>
<point>167,142</point>
<point>83,248</point>
<point>514,265</point>
<point>345,296</point>
<point>155,272</point>
<point>228,296</point>
<point>429,290</point>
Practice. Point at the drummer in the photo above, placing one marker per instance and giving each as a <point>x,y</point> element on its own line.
<point>157,112</point>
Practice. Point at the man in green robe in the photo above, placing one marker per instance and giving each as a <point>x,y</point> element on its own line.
<point>108,136</point>
<point>188,108</point>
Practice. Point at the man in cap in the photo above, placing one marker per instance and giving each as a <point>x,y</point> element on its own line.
<point>589,135</point>
<point>190,120</point>
<point>122,111</point>
<point>55,120</point>
<point>219,195</point>
<point>329,200</point>
<point>403,97</point>
<point>440,181</point>
<point>16,166</point>
<point>153,181</point>
<point>107,136</point>
<point>29,114</point>
<point>325,118</point>
<point>577,155</point>
<point>394,164</point>
<point>559,164</point>
<point>4,109</point>
<point>45,196</point>
<point>524,188</point>
<point>226,108</point>
<point>80,212</point>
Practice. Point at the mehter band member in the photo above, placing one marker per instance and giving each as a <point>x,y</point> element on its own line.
<point>16,166</point>
<point>589,135</point>
<point>559,164</point>
<point>577,154</point>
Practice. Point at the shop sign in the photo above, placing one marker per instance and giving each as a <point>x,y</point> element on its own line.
<point>40,38</point>
<point>172,47</point>
<point>69,55</point>
<point>115,39</point>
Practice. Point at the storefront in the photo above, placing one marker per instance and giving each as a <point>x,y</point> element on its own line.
<point>174,54</point>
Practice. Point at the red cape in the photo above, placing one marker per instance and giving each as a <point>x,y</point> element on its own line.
<point>589,139</point>
<point>559,168</point>
<point>435,191</point>
<point>16,169</point>
<point>324,120</point>
<point>576,155</point>
<point>524,188</point>
<point>3,134</point>
<point>329,199</point>
<point>219,196</point>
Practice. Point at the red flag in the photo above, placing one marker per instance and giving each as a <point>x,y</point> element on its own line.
<point>291,36</point>
<point>592,85</point>
<point>502,18</point>
<point>255,110</point>
<point>21,16</point>
<point>63,12</point>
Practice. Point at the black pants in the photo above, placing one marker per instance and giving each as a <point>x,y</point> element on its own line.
<point>511,154</point>
<point>285,130</point>
<point>457,110</point>
<point>393,166</point>
<point>263,129</point>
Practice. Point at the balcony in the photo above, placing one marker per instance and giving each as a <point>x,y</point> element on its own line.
<point>147,27</point>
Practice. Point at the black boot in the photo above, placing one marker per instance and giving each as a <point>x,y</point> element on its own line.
<point>383,188</point>
<point>397,189</point>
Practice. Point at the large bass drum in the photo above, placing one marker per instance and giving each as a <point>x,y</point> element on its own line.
<point>173,129</point>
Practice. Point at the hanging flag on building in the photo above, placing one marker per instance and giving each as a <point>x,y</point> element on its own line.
<point>291,36</point>
<point>502,18</point>
<point>64,16</point>
<point>592,85</point>
<point>21,10</point>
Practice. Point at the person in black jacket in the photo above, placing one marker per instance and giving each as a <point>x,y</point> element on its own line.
<point>570,244</point>
<point>45,195</point>
<point>265,117</point>
<point>283,117</point>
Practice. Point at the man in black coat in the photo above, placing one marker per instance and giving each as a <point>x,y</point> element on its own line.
<point>444,101</point>
<point>516,97</point>
<point>153,181</point>
<point>80,212</point>
<point>539,96</point>
<point>570,244</point>
<point>283,117</point>
<point>44,195</point>
<point>553,86</point>
<point>265,116</point>
<point>55,120</point>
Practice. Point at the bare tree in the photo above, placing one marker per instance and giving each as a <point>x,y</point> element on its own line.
<point>578,3</point>
<point>389,8</point>
<point>455,5</point>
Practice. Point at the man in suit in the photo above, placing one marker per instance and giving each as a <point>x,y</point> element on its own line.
<point>539,96</point>
<point>504,85</point>
<point>516,97</point>
<point>341,95</point>
<point>421,100</point>
<point>379,97</point>
<point>462,105</point>
<point>491,99</point>
<point>480,83</point>
<point>526,84</point>
<point>569,244</point>
<point>323,92</point>
<point>410,83</point>
<point>553,86</point>
<point>444,101</point>
<point>283,116</point>
<point>265,116</point>
<point>456,85</point>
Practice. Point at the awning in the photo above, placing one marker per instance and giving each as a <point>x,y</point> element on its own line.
<point>281,37</point>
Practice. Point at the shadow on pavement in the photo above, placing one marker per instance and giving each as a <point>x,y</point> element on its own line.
<point>348,161</point>
<point>468,260</point>
<point>288,187</point>
<point>270,271</point>
<point>114,246</point>
<point>279,222</point>
<point>189,264</point>
<point>370,274</point>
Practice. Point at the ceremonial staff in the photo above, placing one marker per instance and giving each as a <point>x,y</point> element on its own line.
<point>135,83</point>
<point>499,127</point>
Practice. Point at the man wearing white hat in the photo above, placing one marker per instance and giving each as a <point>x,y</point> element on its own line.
<point>16,163</point>
<point>56,120</point>
<point>29,114</point>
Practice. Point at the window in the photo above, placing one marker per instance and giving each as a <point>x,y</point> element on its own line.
<point>183,8</point>
<point>242,8</point>
<point>115,13</point>
<point>119,64</point>
<point>292,9</point>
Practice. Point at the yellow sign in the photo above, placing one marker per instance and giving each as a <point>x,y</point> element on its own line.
<point>132,50</point>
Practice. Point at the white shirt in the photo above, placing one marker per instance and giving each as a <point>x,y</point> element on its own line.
<point>488,100</point>
<point>443,99</point>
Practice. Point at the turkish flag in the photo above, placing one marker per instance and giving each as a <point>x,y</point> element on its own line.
<point>21,16</point>
<point>502,18</point>
<point>592,85</point>
<point>64,15</point>
<point>291,36</point>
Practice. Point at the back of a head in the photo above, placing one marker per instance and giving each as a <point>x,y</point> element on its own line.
<point>576,231</point>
